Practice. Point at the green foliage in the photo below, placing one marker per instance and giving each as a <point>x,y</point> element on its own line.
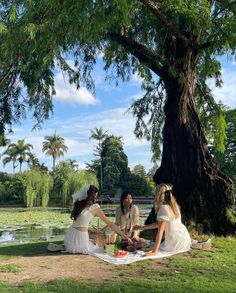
<point>152,186</point>
<point>3,140</point>
<point>10,268</point>
<point>60,176</point>
<point>10,155</point>
<point>114,162</point>
<point>3,28</point>
<point>115,171</point>
<point>38,186</point>
<point>74,182</point>
<point>213,118</point>
<point>67,181</point>
<point>138,185</point>
<point>139,170</point>
<point>227,159</point>
<point>33,46</point>
<point>231,215</point>
<point>11,189</point>
<point>19,151</point>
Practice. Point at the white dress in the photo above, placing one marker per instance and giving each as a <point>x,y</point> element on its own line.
<point>177,238</point>
<point>77,241</point>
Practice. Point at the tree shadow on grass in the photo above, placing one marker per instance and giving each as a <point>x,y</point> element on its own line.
<point>26,249</point>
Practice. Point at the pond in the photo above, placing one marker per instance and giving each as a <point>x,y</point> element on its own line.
<point>25,225</point>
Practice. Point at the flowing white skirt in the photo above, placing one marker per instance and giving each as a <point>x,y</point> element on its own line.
<point>76,241</point>
<point>177,238</point>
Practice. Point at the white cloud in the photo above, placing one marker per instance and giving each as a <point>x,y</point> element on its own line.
<point>77,130</point>
<point>227,93</point>
<point>115,121</point>
<point>68,92</point>
<point>78,149</point>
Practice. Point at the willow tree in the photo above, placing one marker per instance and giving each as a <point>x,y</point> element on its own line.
<point>38,186</point>
<point>172,45</point>
<point>74,182</point>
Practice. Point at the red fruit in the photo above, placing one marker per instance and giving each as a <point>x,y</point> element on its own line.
<point>120,253</point>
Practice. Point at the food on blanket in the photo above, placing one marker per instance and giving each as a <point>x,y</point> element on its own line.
<point>140,243</point>
<point>123,243</point>
<point>131,248</point>
<point>120,253</point>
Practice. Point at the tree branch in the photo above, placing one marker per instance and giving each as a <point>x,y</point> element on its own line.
<point>156,10</point>
<point>224,8</point>
<point>141,52</point>
<point>5,75</point>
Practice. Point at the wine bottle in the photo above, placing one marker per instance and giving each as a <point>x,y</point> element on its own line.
<point>117,245</point>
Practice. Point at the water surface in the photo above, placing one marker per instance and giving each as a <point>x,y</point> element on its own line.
<point>51,223</point>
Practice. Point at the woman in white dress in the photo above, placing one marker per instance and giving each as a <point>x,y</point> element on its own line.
<point>85,208</point>
<point>177,238</point>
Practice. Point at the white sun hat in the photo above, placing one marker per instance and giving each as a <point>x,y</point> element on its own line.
<point>82,193</point>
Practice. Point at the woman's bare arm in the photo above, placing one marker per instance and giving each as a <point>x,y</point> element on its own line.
<point>99,212</point>
<point>159,235</point>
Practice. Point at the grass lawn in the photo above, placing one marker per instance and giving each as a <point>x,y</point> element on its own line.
<point>196,271</point>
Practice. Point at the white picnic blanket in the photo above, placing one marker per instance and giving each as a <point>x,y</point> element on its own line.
<point>131,257</point>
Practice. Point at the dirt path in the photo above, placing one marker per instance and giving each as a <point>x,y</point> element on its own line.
<point>65,266</point>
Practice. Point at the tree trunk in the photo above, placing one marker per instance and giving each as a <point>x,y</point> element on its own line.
<point>202,191</point>
<point>53,163</point>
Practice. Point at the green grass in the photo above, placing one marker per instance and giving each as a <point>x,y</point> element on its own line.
<point>10,268</point>
<point>198,271</point>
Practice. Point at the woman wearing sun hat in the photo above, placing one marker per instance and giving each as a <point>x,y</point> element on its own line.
<point>85,208</point>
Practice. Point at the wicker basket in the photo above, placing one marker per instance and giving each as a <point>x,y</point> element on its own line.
<point>98,236</point>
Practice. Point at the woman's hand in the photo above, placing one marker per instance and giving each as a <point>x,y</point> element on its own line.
<point>151,253</point>
<point>137,227</point>
<point>130,241</point>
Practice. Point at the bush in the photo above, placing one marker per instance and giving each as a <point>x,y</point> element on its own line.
<point>11,189</point>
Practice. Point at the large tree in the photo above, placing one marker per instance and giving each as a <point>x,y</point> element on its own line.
<point>115,162</point>
<point>172,45</point>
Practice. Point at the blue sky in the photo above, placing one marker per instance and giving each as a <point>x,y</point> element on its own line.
<point>77,112</point>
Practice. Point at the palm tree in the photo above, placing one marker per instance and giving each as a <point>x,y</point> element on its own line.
<point>10,155</point>
<point>74,165</point>
<point>99,134</point>
<point>54,146</point>
<point>22,150</point>
<point>34,163</point>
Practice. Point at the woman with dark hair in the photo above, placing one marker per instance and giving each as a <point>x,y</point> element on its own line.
<point>85,208</point>
<point>127,215</point>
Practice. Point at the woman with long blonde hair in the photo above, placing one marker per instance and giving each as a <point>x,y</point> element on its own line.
<point>177,238</point>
